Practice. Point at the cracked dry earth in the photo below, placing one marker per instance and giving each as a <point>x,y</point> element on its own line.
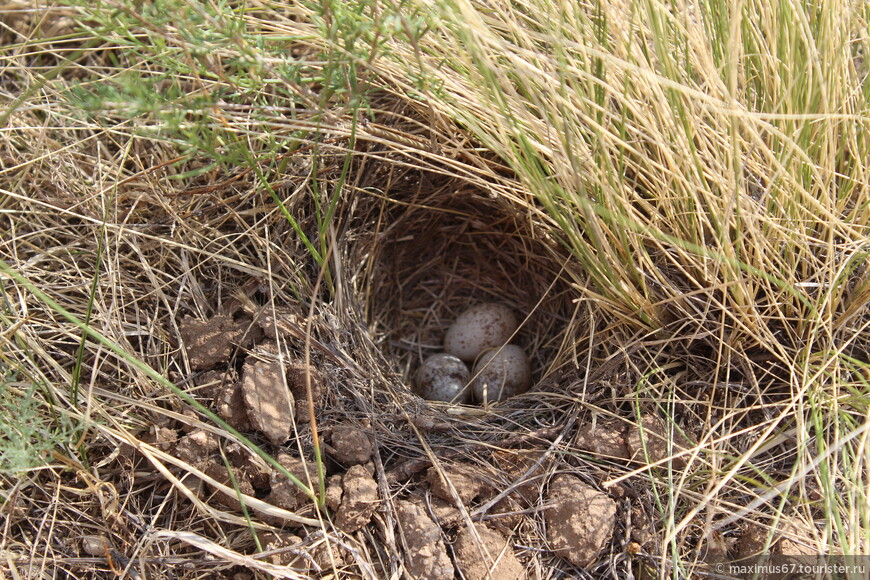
<point>432,505</point>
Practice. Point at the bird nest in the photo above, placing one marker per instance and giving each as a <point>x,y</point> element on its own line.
<point>431,250</point>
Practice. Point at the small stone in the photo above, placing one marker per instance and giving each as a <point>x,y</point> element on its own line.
<point>95,545</point>
<point>268,399</point>
<point>579,521</point>
<point>425,553</point>
<point>491,557</point>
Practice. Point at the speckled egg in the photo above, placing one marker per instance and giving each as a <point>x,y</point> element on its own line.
<point>480,328</point>
<point>501,373</point>
<point>443,377</point>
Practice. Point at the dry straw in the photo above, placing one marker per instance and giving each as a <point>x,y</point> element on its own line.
<point>685,241</point>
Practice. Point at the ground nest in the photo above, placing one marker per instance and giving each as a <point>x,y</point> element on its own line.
<point>461,483</point>
<point>208,367</point>
<point>437,250</point>
<point>411,488</point>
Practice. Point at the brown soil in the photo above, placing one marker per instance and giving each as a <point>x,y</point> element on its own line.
<point>579,520</point>
<point>465,480</point>
<point>486,554</point>
<point>425,552</point>
<point>350,445</point>
<point>210,343</point>
<point>269,402</point>
<point>604,438</point>
<point>359,499</point>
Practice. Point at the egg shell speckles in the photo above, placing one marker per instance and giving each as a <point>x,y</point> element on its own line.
<point>480,328</point>
<point>501,374</point>
<point>443,377</point>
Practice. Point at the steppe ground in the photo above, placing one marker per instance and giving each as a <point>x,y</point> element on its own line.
<point>231,231</point>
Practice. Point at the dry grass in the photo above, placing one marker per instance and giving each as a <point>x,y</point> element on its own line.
<point>678,205</point>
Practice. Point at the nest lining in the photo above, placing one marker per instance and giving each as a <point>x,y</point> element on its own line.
<point>433,251</point>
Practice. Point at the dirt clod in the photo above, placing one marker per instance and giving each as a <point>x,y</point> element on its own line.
<point>465,480</point>
<point>359,499</point>
<point>491,557</point>
<point>210,343</point>
<point>351,446</point>
<point>648,442</point>
<point>286,494</point>
<point>279,542</point>
<point>196,447</point>
<point>604,438</point>
<point>230,404</point>
<point>218,471</point>
<point>580,520</point>
<point>269,401</point>
<point>425,553</point>
<point>296,380</point>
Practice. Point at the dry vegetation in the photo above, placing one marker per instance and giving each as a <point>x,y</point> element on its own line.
<point>231,232</point>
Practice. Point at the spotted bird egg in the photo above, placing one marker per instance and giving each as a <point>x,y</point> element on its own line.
<point>443,377</point>
<point>501,373</point>
<point>480,328</point>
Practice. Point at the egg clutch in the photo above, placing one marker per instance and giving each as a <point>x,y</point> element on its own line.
<point>480,336</point>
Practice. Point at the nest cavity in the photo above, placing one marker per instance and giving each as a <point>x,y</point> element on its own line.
<point>431,251</point>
